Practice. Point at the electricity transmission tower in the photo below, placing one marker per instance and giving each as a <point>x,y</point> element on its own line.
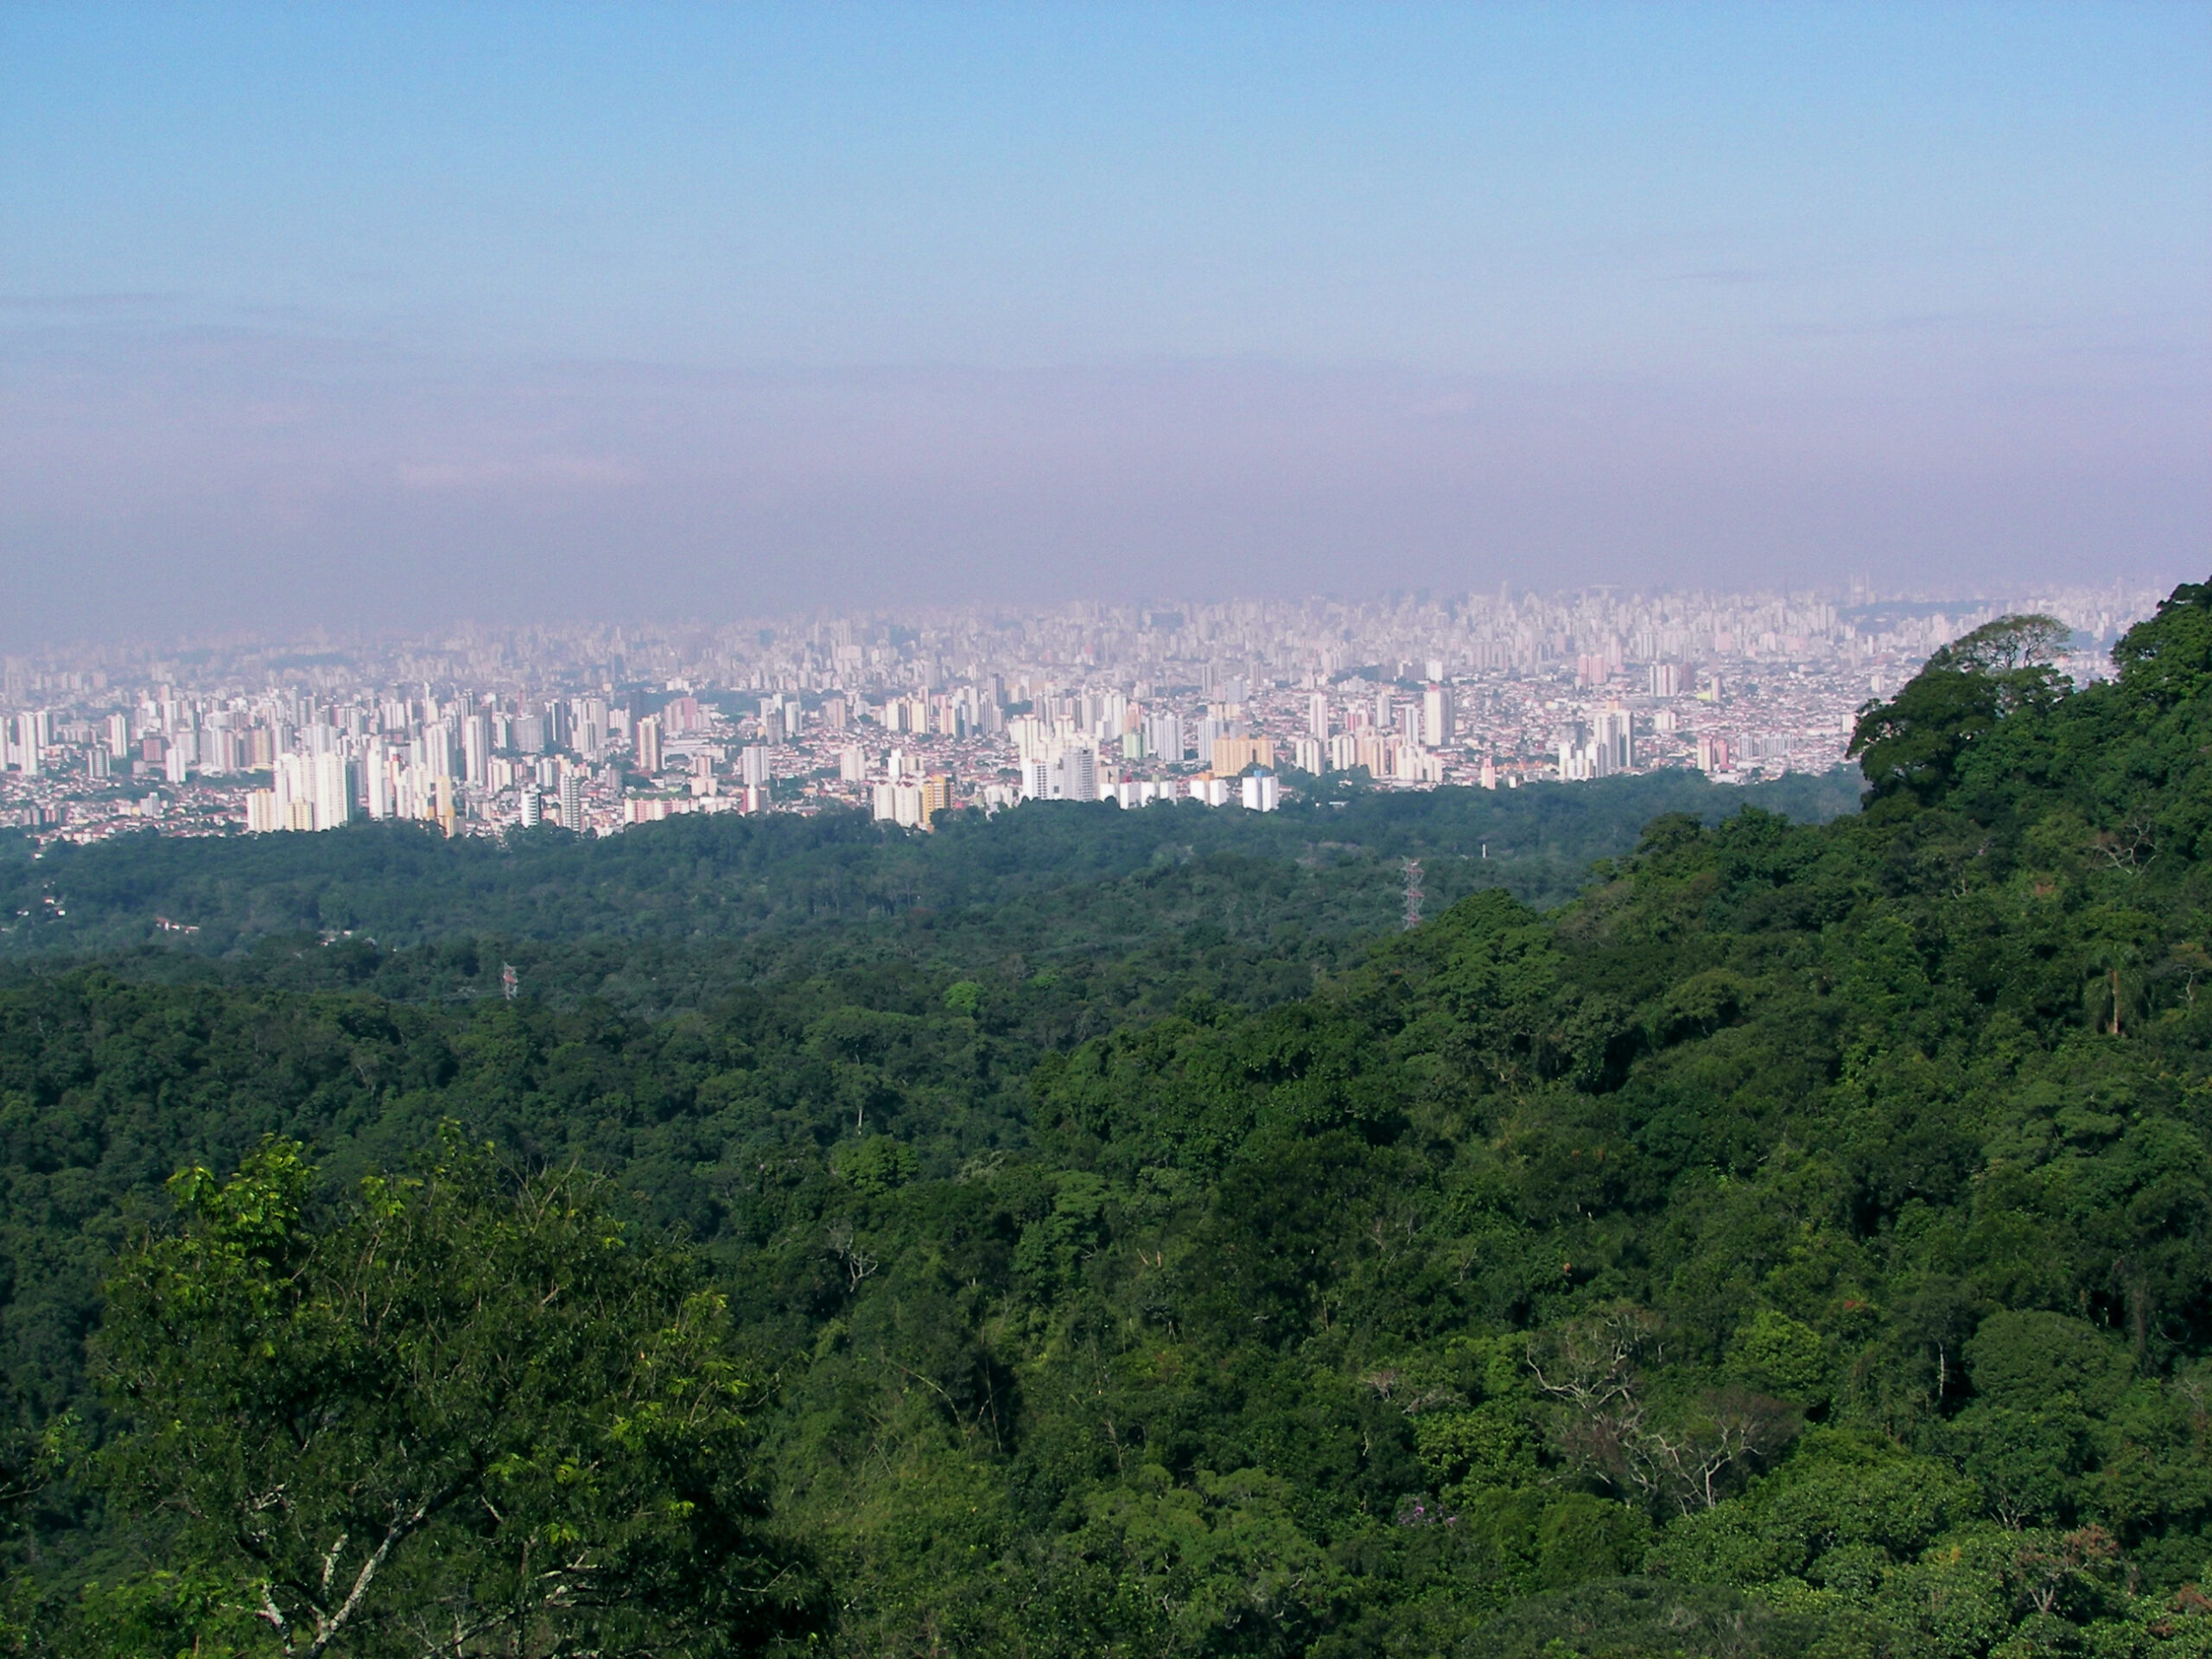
<point>1413,892</point>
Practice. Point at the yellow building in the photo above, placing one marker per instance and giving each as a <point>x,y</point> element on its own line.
<point>936,797</point>
<point>1232,754</point>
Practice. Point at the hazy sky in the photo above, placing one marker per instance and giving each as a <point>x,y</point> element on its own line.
<point>378,315</point>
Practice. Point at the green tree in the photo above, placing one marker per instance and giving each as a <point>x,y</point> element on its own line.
<point>1913,743</point>
<point>465,1414</point>
<point>2168,659</point>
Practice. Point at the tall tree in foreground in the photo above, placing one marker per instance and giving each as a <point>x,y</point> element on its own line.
<point>466,1416</point>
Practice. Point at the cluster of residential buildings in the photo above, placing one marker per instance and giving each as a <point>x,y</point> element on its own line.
<point>1233,704</point>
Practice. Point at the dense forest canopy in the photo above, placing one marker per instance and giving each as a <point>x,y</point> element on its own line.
<point>723,876</point>
<point>1798,1242</point>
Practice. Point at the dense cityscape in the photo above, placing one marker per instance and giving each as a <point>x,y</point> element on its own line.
<point>597,728</point>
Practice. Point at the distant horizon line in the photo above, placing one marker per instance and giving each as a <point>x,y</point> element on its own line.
<point>1853,593</point>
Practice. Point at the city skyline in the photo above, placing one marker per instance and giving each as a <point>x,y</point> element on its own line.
<point>1241,704</point>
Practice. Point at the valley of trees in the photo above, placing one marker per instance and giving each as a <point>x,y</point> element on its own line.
<point>1099,1234</point>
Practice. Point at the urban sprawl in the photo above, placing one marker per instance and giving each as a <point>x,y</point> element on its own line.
<point>1236,704</point>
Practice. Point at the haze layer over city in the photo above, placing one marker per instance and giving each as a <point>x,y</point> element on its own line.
<point>377,317</point>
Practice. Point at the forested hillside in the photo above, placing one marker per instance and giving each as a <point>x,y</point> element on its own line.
<point>1798,1243</point>
<point>727,877</point>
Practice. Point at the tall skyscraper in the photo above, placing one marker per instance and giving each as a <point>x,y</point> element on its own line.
<point>376,768</point>
<point>1317,716</point>
<point>476,750</point>
<point>333,783</point>
<point>572,801</point>
<point>1438,719</point>
<point>1615,749</point>
<point>649,745</point>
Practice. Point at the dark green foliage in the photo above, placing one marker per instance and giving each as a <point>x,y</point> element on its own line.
<point>1329,866</point>
<point>1796,1245</point>
<point>1916,742</point>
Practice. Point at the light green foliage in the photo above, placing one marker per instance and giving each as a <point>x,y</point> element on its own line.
<point>875,1165</point>
<point>1783,1356</point>
<point>464,1411</point>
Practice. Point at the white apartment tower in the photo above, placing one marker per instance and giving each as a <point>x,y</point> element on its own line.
<point>1438,719</point>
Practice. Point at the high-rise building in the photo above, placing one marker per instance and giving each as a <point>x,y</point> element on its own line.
<point>1438,719</point>
<point>589,737</point>
<point>572,801</point>
<point>437,742</point>
<point>1317,717</point>
<point>23,746</point>
<point>332,781</point>
<point>533,808</point>
<point>1616,749</point>
<point>1231,755</point>
<point>1666,679</point>
<point>899,804</point>
<point>936,797</point>
<point>475,750</point>
<point>753,765</point>
<point>1078,775</point>
<point>1261,792</point>
<point>1575,762</point>
<point>648,741</point>
<point>383,800</point>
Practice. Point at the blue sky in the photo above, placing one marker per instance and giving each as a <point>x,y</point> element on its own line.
<point>531,311</point>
